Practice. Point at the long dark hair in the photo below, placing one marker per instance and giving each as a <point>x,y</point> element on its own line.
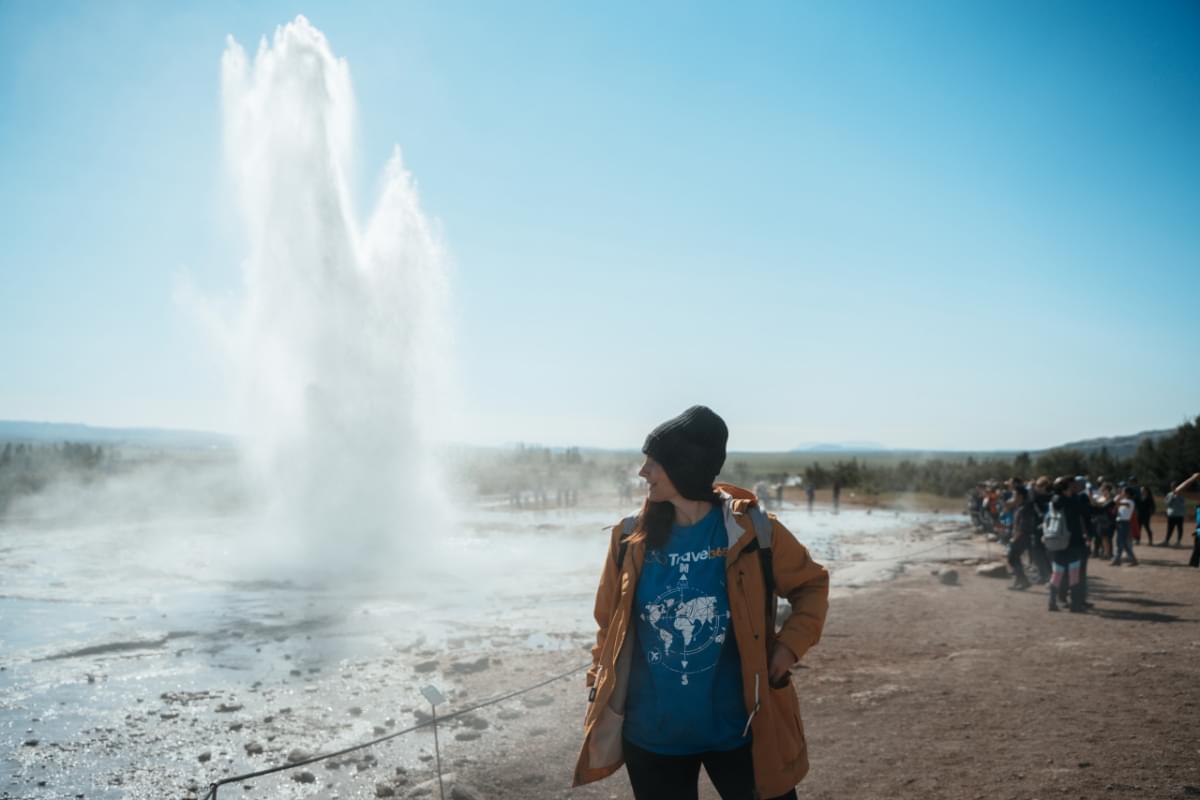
<point>657,519</point>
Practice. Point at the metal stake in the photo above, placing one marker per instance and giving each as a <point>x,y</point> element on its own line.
<point>434,697</point>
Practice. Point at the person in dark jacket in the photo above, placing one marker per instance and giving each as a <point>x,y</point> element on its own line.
<point>1025,523</point>
<point>1040,495</point>
<point>1067,564</point>
<point>1146,512</point>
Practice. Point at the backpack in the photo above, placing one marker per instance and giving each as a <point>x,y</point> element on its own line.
<point>1055,535</point>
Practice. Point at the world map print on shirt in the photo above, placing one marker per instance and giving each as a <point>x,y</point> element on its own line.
<point>690,623</point>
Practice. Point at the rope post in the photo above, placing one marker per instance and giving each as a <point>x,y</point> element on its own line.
<point>435,697</point>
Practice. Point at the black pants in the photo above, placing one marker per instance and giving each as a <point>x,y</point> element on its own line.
<point>1017,548</point>
<point>1174,524</point>
<point>658,777</point>
<point>1194,561</point>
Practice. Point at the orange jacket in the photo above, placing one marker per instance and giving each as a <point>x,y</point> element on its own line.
<point>773,715</point>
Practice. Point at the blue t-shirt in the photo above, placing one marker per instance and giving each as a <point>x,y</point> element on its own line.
<point>685,682</point>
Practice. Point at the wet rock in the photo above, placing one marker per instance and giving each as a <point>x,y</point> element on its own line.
<point>463,791</point>
<point>253,748</point>
<point>297,754</point>
<point>949,577</point>
<point>304,776</point>
<point>205,756</point>
<point>537,700</point>
<point>474,721</point>
<point>468,667</point>
<point>995,570</point>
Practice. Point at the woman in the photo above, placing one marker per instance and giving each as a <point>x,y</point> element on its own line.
<point>1126,515</point>
<point>1067,563</point>
<point>688,669</point>
<point>1105,520</point>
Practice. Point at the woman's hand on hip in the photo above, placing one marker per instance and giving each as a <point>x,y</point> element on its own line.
<point>782,661</point>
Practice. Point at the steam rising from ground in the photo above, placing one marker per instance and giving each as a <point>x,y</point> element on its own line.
<point>339,347</point>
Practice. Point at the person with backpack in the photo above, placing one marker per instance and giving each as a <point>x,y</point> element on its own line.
<point>1063,535</point>
<point>1040,494</point>
<point>1025,523</point>
<point>690,669</point>
<point>1126,512</point>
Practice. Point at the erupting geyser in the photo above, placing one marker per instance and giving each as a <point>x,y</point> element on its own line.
<point>339,344</point>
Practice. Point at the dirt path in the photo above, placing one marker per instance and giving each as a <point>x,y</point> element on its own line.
<point>923,690</point>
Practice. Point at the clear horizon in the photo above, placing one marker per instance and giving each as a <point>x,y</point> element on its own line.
<point>961,227</point>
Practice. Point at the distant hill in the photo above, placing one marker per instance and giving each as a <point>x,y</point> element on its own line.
<point>838,447</point>
<point>1118,446</point>
<point>53,432</point>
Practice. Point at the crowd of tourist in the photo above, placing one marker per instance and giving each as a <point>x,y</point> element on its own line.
<point>1053,527</point>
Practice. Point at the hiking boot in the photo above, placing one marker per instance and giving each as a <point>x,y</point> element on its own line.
<point>1133,562</point>
<point>1116,562</point>
<point>1020,585</point>
<point>1053,599</point>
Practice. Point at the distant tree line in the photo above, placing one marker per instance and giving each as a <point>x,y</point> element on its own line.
<point>26,469</point>
<point>1158,464</point>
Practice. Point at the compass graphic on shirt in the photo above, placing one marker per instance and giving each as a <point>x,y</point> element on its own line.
<point>689,628</point>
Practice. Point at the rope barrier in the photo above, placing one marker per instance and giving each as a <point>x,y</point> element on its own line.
<point>212,787</point>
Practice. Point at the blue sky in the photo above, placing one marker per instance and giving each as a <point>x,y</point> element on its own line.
<point>942,225</point>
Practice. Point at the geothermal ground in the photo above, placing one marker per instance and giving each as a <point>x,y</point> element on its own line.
<point>131,680</point>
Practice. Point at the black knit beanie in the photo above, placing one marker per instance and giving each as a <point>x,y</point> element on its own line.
<point>691,448</point>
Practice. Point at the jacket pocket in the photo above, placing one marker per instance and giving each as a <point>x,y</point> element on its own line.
<point>786,725</point>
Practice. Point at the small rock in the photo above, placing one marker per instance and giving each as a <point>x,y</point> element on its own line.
<point>468,667</point>
<point>205,756</point>
<point>31,742</point>
<point>996,570</point>
<point>467,736</point>
<point>304,776</point>
<point>537,700</point>
<point>296,754</point>
<point>253,748</point>
<point>383,790</point>
<point>355,711</point>
<point>949,577</point>
<point>236,726</point>
<point>462,791</point>
<point>228,708</point>
<point>426,666</point>
<point>379,730</point>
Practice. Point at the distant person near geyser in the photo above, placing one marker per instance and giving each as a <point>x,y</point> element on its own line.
<point>688,670</point>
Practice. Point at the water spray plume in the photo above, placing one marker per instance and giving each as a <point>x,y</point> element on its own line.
<point>340,344</point>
